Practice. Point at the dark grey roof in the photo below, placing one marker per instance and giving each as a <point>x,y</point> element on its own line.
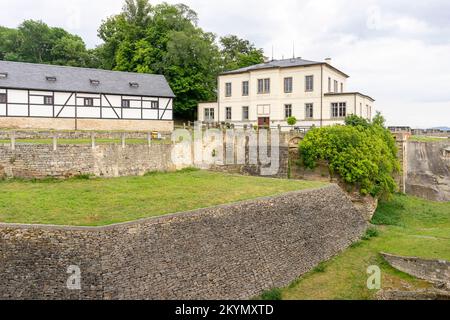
<point>34,76</point>
<point>285,63</point>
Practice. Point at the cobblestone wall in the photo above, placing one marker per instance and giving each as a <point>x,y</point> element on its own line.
<point>234,251</point>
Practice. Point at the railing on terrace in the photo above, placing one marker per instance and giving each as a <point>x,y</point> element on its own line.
<point>56,138</point>
<point>247,126</point>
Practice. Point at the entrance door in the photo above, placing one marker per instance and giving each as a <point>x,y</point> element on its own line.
<point>264,122</point>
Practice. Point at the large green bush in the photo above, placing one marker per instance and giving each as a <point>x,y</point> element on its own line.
<point>363,154</point>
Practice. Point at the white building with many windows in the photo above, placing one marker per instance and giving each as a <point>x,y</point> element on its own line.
<point>267,94</point>
<point>37,96</point>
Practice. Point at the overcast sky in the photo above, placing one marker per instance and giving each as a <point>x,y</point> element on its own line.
<point>395,51</point>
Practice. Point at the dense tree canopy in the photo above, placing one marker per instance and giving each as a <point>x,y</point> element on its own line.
<point>163,39</point>
<point>34,41</point>
<point>238,53</point>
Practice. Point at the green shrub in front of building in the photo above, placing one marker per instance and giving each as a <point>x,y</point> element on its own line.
<point>362,154</point>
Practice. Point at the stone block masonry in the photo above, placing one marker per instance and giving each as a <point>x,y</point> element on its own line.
<point>40,161</point>
<point>234,251</point>
<point>437,271</point>
<point>28,160</point>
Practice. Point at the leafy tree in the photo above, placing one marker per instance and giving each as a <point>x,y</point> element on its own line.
<point>362,156</point>
<point>379,120</point>
<point>192,79</point>
<point>163,39</point>
<point>9,42</point>
<point>354,120</point>
<point>34,41</point>
<point>238,53</point>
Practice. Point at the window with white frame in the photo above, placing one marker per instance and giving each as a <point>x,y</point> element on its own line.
<point>245,113</point>
<point>309,111</point>
<point>245,89</point>
<point>339,110</point>
<point>228,89</point>
<point>329,84</point>
<point>3,98</point>
<point>336,84</point>
<point>342,87</point>
<point>309,83</point>
<point>288,87</point>
<point>263,86</point>
<point>228,114</point>
<point>209,114</point>
<point>287,110</point>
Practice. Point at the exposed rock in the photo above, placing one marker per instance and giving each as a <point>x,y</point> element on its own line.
<point>413,295</point>
<point>428,174</point>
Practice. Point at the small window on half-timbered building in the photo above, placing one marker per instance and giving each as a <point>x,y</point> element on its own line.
<point>3,98</point>
<point>155,105</point>
<point>88,102</point>
<point>48,100</point>
<point>125,103</point>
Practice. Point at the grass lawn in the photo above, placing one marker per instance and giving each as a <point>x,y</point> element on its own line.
<point>428,139</point>
<point>83,141</point>
<point>98,202</point>
<point>406,226</point>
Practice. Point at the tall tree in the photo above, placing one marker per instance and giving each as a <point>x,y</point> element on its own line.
<point>35,41</point>
<point>163,39</point>
<point>9,43</point>
<point>238,53</point>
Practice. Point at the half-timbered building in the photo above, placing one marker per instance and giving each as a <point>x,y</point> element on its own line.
<point>37,96</point>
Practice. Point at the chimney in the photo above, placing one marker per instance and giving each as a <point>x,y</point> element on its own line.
<point>328,60</point>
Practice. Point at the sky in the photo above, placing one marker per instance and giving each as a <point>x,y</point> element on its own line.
<point>397,52</point>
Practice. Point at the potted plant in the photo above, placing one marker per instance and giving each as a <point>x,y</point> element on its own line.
<point>292,121</point>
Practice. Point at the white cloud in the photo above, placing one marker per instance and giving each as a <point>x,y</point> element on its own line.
<point>394,50</point>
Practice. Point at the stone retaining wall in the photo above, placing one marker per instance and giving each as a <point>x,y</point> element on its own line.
<point>46,134</point>
<point>28,160</point>
<point>426,269</point>
<point>233,251</point>
<point>85,124</point>
<point>40,161</point>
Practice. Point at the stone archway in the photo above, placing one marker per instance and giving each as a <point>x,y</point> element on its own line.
<point>294,142</point>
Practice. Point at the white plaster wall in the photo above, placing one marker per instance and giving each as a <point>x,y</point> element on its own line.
<point>203,106</point>
<point>277,98</point>
<point>37,109</point>
<point>17,96</point>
